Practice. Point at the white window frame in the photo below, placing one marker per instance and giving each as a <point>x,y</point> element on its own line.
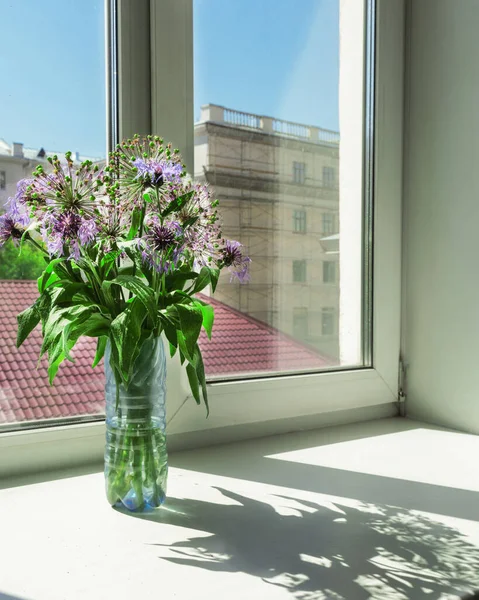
<point>249,408</point>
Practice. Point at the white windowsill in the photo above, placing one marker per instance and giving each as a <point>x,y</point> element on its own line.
<point>256,519</point>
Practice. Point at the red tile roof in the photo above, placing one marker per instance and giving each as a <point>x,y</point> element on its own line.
<point>240,344</point>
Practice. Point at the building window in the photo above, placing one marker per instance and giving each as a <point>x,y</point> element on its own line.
<point>328,223</point>
<point>299,172</point>
<point>3,180</point>
<point>299,221</point>
<point>327,321</point>
<point>329,177</point>
<point>300,322</point>
<point>299,271</point>
<point>329,271</point>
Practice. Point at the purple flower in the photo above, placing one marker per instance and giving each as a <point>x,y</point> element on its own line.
<point>162,245</point>
<point>156,172</point>
<point>9,228</point>
<point>18,211</point>
<point>54,244</point>
<point>68,228</point>
<point>67,188</point>
<point>161,237</point>
<point>67,224</point>
<point>87,231</point>
<point>13,223</point>
<point>171,170</point>
<point>142,163</point>
<point>74,250</point>
<point>149,171</point>
<point>22,186</point>
<point>237,263</point>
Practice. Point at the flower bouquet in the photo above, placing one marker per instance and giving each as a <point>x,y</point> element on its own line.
<point>127,249</point>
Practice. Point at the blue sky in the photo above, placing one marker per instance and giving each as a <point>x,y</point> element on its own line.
<point>257,56</point>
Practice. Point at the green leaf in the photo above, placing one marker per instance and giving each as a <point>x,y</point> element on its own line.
<point>58,319</point>
<point>191,319</point>
<point>47,281</point>
<point>184,352</point>
<point>204,279</point>
<point>44,279</point>
<point>214,275</point>
<point>126,270</point>
<point>27,321</point>
<point>208,313</point>
<point>110,257</point>
<point>207,276</point>
<point>194,383</point>
<point>135,224</point>
<point>176,279</point>
<point>140,264</point>
<point>95,326</point>
<point>125,331</point>
<point>200,372</point>
<point>53,368</point>
<point>177,203</point>
<point>189,222</point>
<point>66,342</point>
<point>147,197</point>
<point>196,377</point>
<point>169,327</point>
<point>45,302</point>
<point>182,356</point>
<point>100,350</point>
<point>144,293</point>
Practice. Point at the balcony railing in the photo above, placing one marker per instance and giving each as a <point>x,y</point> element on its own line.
<point>291,129</point>
<point>241,119</point>
<point>310,133</point>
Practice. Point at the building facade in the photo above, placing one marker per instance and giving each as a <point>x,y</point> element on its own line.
<point>278,186</point>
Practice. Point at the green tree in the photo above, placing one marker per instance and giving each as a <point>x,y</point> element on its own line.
<point>29,264</point>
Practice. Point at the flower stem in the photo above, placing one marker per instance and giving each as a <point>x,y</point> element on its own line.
<point>37,245</point>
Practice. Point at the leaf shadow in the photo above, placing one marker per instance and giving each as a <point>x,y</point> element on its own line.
<point>321,552</point>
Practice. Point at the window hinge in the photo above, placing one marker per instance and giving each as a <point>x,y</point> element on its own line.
<point>402,387</point>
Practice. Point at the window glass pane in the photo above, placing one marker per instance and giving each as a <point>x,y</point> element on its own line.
<point>267,139</point>
<point>299,271</point>
<point>299,172</point>
<point>327,321</point>
<point>299,221</point>
<point>329,177</point>
<point>328,222</point>
<point>53,100</point>
<point>329,271</point>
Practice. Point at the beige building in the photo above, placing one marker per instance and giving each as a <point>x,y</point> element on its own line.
<point>278,185</point>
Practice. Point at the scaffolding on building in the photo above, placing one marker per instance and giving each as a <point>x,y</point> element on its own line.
<point>243,164</point>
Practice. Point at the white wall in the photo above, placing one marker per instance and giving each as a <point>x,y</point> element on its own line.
<point>441,306</point>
